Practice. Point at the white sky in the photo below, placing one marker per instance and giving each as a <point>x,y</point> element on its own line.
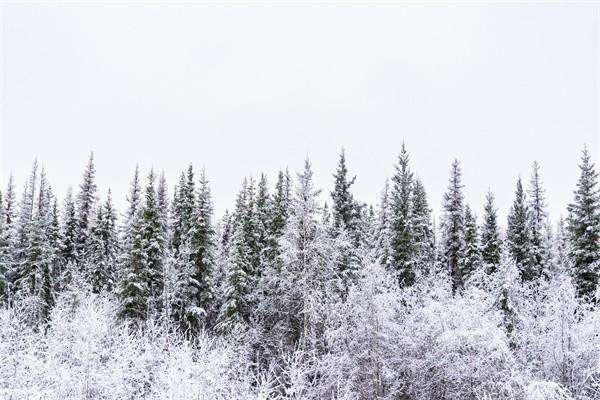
<point>244,88</point>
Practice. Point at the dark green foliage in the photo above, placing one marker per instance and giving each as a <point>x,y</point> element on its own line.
<point>584,228</point>
<point>491,245</point>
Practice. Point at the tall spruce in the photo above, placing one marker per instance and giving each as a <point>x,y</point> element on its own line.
<point>68,249</point>
<point>453,226</point>
<point>202,248</point>
<point>402,243</point>
<point>517,234</point>
<point>152,243</point>
<point>343,205</point>
<point>491,245</point>
<point>537,219</point>
<point>184,203</point>
<point>584,228</point>
<point>472,253</point>
<point>85,206</point>
<point>422,228</point>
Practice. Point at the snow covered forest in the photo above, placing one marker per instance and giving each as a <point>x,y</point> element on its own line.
<point>287,296</point>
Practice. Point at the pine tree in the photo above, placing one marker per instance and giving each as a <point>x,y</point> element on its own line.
<point>263,219</point>
<point>152,243</point>
<point>346,219</point>
<point>68,248</point>
<point>517,234</point>
<point>134,201</point>
<point>422,228</point>
<point>401,230</point>
<point>85,205</point>
<point>34,284</point>
<point>8,220</point>
<point>537,218</point>
<point>163,208</point>
<point>491,244</point>
<point>183,208</point>
<point>383,245</point>
<point>306,272</point>
<point>472,252</point>
<point>103,249</point>
<point>134,291</point>
<point>235,312</point>
<point>279,213</point>
<point>202,249</point>
<point>343,207</point>
<point>584,228</point>
<point>23,228</point>
<point>453,228</point>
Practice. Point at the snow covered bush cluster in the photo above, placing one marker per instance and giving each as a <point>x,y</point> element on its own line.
<point>287,297</point>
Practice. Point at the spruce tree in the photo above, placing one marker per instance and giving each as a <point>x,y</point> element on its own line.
<point>85,206</point>
<point>343,206</point>
<point>472,252</point>
<point>491,244</point>
<point>235,312</point>
<point>152,243</point>
<point>23,228</point>
<point>202,249</point>
<point>103,249</point>
<point>134,291</point>
<point>184,203</point>
<point>422,228</point>
<point>517,234</point>
<point>537,218</point>
<point>68,249</point>
<point>584,228</point>
<point>383,245</point>
<point>34,284</point>
<point>402,243</point>
<point>453,228</point>
<point>306,273</point>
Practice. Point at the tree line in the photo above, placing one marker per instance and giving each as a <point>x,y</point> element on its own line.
<point>272,269</point>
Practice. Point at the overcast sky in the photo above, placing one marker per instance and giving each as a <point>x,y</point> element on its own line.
<point>245,88</point>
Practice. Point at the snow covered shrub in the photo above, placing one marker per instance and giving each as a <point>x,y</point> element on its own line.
<point>86,354</point>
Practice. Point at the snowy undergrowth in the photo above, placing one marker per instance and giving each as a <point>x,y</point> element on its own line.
<point>383,343</point>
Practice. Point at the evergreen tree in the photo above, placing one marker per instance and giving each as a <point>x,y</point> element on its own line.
<point>184,311</point>
<point>343,207</point>
<point>279,213</point>
<point>453,228</point>
<point>68,248</point>
<point>263,217</point>
<point>184,203</point>
<point>584,228</point>
<point>235,312</point>
<point>306,273</point>
<point>472,252</point>
<point>103,249</point>
<point>10,206</point>
<point>152,243</point>
<point>202,249</point>
<point>86,203</point>
<point>383,245</point>
<point>402,242</point>
<point>134,201</point>
<point>23,228</point>
<point>134,291</point>
<point>491,244</point>
<point>517,234</point>
<point>537,218</point>
<point>422,228</point>
<point>34,284</point>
